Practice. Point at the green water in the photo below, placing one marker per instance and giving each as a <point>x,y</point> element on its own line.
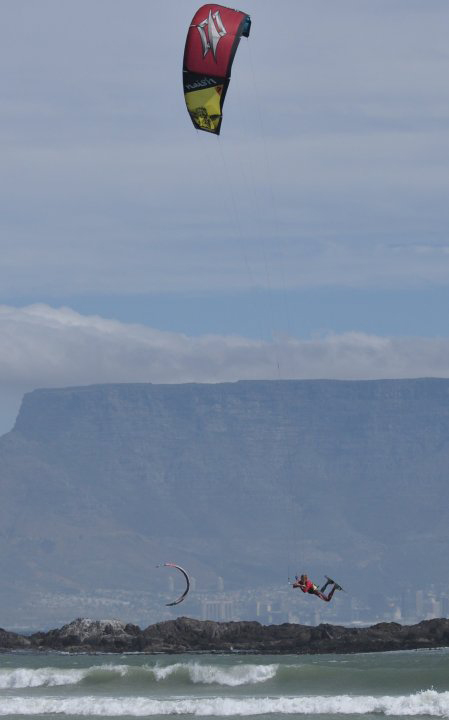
<point>404,684</point>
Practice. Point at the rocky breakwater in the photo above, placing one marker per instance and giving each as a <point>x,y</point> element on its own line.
<point>84,635</point>
<point>188,635</point>
<point>13,641</point>
<point>184,635</point>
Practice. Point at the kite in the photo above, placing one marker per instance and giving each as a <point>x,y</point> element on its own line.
<point>212,41</point>
<point>178,567</point>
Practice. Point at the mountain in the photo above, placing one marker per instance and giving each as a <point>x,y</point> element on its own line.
<point>235,481</point>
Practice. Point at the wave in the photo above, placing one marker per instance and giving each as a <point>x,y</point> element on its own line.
<point>197,673</point>
<point>51,677</point>
<point>179,673</point>
<point>427,703</point>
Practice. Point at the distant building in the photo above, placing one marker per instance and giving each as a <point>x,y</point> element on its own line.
<point>419,604</point>
<point>408,605</point>
<point>434,609</point>
<point>218,610</point>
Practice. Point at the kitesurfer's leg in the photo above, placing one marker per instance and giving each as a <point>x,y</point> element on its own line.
<point>329,596</point>
<point>328,582</point>
<point>326,598</point>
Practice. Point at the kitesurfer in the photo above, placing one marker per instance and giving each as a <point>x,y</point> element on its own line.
<point>307,586</point>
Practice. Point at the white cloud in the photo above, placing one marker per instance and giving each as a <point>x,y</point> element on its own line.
<point>48,347</point>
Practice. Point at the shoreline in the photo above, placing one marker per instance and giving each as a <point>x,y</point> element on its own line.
<point>187,635</point>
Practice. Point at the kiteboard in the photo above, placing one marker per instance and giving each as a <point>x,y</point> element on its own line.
<point>339,587</point>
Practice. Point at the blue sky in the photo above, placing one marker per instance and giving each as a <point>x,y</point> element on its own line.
<point>313,234</point>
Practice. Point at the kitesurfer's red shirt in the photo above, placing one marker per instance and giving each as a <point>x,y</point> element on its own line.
<point>308,587</point>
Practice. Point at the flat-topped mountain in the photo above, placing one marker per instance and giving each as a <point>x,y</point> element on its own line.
<point>234,480</point>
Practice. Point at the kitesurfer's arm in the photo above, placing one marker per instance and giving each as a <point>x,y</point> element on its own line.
<point>299,583</point>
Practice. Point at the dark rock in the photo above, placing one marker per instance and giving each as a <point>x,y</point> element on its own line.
<point>13,641</point>
<point>189,635</point>
<point>90,635</point>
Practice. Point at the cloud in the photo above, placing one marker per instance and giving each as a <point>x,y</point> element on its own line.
<point>45,346</point>
<point>54,347</point>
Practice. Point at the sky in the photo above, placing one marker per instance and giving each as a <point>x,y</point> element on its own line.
<point>310,240</point>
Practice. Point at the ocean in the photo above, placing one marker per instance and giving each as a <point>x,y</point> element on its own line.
<point>399,684</point>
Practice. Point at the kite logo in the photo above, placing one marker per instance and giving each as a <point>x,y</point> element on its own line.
<point>203,83</point>
<point>201,118</point>
<point>211,31</point>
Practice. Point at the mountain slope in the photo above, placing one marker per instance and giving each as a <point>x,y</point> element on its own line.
<point>234,480</point>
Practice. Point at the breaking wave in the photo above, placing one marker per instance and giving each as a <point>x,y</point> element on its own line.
<point>427,703</point>
<point>25,678</point>
<point>179,673</point>
<point>213,675</point>
<point>51,677</point>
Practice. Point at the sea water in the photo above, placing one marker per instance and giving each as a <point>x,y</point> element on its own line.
<point>397,685</point>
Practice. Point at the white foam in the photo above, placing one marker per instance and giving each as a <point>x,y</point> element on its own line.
<point>163,672</point>
<point>28,678</point>
<point>51,677</point>
<point>232,676</point>
<point>213,675</point>
<point>428,703</point>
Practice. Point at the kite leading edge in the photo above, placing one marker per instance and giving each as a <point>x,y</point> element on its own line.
<point>178,567</point>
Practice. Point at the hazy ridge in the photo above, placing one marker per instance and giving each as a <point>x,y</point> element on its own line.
<point>99,483</point>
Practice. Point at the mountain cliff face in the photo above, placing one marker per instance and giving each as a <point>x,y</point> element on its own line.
<point>98,484</point>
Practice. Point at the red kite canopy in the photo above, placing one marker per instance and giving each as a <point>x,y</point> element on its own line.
<point>212,41</point>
